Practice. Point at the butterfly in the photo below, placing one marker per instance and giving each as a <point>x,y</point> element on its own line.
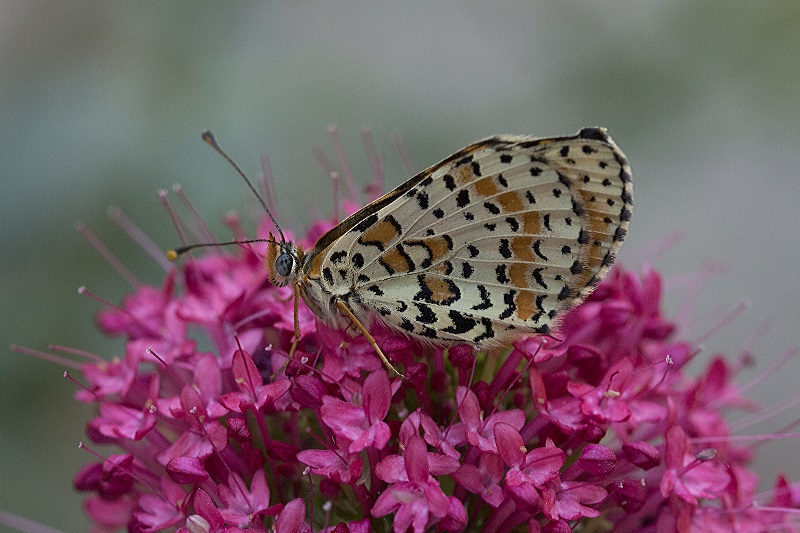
<point>488,245</point>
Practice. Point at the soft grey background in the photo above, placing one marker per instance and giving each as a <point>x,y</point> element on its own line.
<point>101,103</point>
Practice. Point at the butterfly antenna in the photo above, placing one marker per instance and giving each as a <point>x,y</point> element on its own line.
<point>172,255</point>
<point>208,137</point>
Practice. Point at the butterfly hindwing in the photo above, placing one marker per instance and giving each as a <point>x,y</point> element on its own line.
<point>492,242</point>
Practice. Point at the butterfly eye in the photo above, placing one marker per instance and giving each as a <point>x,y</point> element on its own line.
<point>284,264</point>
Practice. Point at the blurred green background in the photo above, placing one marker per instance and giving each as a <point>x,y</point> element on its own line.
<point>101,103</point>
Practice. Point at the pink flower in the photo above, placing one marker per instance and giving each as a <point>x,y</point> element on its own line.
<point>253,393</point>
<point>415,496</point>
<point>292,519</point>
<point>206,517</point>
<point>691,476</point>
<point>484,479</point>
<point>231,438</point>
<point>572,499</point>
<point>479,431</point>
<point>530,473</point>
<point>340,465</point>
<point>159,512</point>
<point>242,506</point>
<point>362,424</point>
<point>119,421</point>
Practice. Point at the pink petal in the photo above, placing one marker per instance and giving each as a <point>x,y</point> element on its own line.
<point>415,458</point>
<point>510,445</point>
<point>642,454</point>
<point>571,501</point>
<point>377,396</point>
<point>385,504</point>
<point>597,460</point>
<point>292,519</point>
<point>185,470</point>
<point>392,469</point>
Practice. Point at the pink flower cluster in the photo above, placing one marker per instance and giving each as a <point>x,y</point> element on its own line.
<point>599,427</point>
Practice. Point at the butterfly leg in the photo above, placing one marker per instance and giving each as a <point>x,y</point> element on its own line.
<point>296,321</point>
<point>296,332</point>
<point>349,314</point>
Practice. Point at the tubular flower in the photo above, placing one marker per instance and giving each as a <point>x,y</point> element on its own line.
<point>218,430</point>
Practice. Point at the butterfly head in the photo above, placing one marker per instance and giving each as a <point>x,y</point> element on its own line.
<point>283,262</point>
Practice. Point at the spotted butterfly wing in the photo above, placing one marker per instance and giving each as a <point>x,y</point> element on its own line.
<point>487,245</point>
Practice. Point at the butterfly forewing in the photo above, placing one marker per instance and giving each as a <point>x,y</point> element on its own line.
<point>490,243</point>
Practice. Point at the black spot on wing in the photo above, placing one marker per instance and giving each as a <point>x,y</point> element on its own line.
<point>508,299</point>
<point>327,275</point>
<point>462,199</point>
<point>500,271</point>
<point>626,197</point>
<point>493,209</point>
<point>540,306</point>
<point>367,222</point>
<point>464,160</point>
<point>461,323</point>
<point>429,332</point>
<point>505,249</point>
<point>476,168</point>
<point>565,293</point>
<point>426,314</point>
<point>537,277</point>
<point>488,332</point>
<point>486,302</point>
<point>537,250</point>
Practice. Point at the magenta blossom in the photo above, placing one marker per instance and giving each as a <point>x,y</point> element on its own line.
<point>600,428</point>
